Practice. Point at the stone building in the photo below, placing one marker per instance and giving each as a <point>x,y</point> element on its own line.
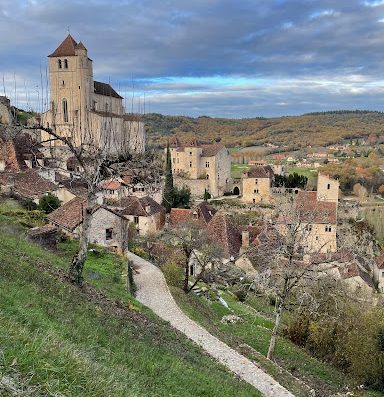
<point>201,167</point>
<point>257,185</point>
<point>145,213</point>
<point>84,110</point>
<point>108,228</point>
<point>327,189</point>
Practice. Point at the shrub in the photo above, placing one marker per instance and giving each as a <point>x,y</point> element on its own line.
<point>241,294</point>
<point>28,204</point>
<point>48,203</point>
<point>298,330</point>
<point>173,274</point>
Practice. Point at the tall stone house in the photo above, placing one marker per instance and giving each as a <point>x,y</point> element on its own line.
<point>85,110</point>
<point>201,167</point>
<point>318,214</point>
<point>257,185</point>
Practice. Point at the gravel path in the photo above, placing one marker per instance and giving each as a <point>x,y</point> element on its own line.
<point>152,291</point>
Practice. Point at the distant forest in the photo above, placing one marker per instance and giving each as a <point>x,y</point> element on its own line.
<point>291,132</point>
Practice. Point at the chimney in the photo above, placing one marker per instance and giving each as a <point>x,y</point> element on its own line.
<point>245,239</point>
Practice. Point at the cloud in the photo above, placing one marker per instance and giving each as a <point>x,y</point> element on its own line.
<point>198,51</point>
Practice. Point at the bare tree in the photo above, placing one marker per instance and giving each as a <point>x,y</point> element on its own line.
<point>99,156</point>
<point>286,255</point>
<point>195,245</point>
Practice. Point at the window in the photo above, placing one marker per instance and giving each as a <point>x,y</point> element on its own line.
<point>256,191</point>
<point>190,153</point>
<point>136,220</point>
<point>254,201</point>
<point>190,163</point>
<point>328,186</point>
<point>65,111</point>
<point>106,107</point>
<point>207,176</point>
<point>173,160</point>
<point>63,83</point>
<point>328,228</point>
<point>256,181</point>
<point>108,234</point>
<point>309,228</point>
<point>59,62</point>
<point>65,63</point>
<point>207,164</point>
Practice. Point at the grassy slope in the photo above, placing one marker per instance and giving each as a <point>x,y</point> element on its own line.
<point>57,338</point>
<point>255,332</point>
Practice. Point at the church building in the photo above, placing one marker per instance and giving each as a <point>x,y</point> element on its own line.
<point>84,110</point>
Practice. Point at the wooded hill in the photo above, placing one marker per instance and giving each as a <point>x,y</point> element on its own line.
<point>315,129</point>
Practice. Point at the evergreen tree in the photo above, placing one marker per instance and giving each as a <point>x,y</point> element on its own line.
<point>169,192</point>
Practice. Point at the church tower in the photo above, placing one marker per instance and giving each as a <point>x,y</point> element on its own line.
<point>71,86</point>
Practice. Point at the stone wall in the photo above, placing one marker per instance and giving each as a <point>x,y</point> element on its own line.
<point>196,186</point>
<point>102,220</point>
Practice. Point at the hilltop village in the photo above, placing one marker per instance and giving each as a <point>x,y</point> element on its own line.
<point>269,226</point>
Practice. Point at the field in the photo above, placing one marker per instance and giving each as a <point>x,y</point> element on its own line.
<point>57,339</point>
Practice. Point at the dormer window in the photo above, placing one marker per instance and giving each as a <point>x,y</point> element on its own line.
<point>65,63</point>
<point>60,64</point>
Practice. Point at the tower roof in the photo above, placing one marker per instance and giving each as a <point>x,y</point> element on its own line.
<point>80,46</point>
<point>66,48</point>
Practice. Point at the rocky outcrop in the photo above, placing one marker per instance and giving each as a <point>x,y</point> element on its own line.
<point>5,111</point>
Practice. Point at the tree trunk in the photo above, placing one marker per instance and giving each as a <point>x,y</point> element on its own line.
<point>78,260</point>
<point>275,330</point>
<point>186,278</point>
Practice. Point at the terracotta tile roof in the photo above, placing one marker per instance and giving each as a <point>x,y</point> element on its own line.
<point>259,172</point>
<point>206,212</point>
<point>66,48</point>
<point>211,150</point>
<point>69,215</point>
<point>353,270</point>
<point>202,212</point>
<point>143,206</point>
<point>349,271</point>
<point>180,215</point>
<point>225,234</point>
<point>313,211</point>
<point>380,260</point>
<point>30,184</point>
<point>15,150</point>
<point>105,89</point>
<point>111,185</point>
<point>78,187</point>
<point>80,46</point>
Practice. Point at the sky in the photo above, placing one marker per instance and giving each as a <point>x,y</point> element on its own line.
<point>218,58</point>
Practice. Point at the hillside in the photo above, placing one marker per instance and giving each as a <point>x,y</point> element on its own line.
<point>60,340</point>
<point>314,129</point>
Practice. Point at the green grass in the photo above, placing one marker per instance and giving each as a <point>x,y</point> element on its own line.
<point>60,338</point>
<point>251,337</point>
<point>301,171</point>
<point>238,169</point>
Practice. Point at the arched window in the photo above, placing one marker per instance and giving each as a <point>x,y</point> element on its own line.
<point>65,63</point>
<point>65,111</point>
<point>59,62</point>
